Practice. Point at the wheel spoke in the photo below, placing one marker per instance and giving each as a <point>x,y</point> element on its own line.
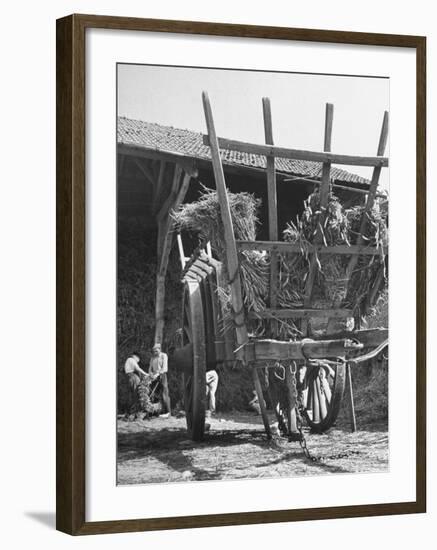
<point>316,404</point>
<point>321,399</point>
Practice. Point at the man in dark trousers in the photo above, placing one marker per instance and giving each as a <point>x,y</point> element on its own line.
<point>133,372</point>
<point>158,368</point>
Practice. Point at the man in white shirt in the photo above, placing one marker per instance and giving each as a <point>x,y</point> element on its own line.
<point>158,368</point>
<point>133,372</point>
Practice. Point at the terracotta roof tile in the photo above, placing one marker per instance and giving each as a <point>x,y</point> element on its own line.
<point>186,142</point>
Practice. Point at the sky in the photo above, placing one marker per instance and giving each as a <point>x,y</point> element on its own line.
<point>173,96</point>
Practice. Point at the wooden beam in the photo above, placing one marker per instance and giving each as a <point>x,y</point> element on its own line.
<point>293,248</point>
<point>169,201</point>
<point>145,171</point>
<point>168,223</point>
<point>271,173</point>
<point>159,184</point>
<point>298,154</point>
<point>300,313</point>
<point>232,263</point>
<point>186,161</point>
<point>324,198</point>
<point>165,241</point>
<point>272,208</point>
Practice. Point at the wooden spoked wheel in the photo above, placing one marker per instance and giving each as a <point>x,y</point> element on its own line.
<point>194,374</point>
<point>322,395</point>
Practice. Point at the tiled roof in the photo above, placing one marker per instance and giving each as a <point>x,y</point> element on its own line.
<point>188,143</point>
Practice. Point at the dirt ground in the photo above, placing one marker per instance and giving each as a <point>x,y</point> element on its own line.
<point>159,451</point>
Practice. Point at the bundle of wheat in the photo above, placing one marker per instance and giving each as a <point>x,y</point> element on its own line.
<point>332,226</point>
<point>203,218</point>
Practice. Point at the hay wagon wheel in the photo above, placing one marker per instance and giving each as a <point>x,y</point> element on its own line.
<point>322,395</point>
<point>194,374</point>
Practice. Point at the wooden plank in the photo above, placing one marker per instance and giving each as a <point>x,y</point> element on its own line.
<point>231,247</point>
<point>272,200</point>
<point>369,204</point>
<point>289,248</point>
<point>297,154</point>
<point>324,198</point>
<point>300,313</point>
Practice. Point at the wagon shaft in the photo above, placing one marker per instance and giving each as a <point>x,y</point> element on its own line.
<point>267,350</point>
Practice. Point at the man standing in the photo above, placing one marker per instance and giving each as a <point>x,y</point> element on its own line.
<point>211,388</point>
<point>158,368</point>
<point>133,372</point>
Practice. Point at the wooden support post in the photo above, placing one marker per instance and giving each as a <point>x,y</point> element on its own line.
<point>165,241</point>
<point>159,183</point>
<point>146,172</point>
<point>169,201</point>
<point>262,403</point>
<point>291,410</point>
<point>232,263</point>
<point>368,206</point>
<point>324,198</point>
<point>272,208</point>
<point>351,399</point>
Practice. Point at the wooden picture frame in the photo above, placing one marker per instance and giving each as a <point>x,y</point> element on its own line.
<point>71,247</point>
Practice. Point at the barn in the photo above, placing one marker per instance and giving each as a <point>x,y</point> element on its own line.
<point>158,168</point>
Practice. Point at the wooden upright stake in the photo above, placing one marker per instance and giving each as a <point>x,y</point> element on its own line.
<point>232,263</point>
<point>351,399</point>
<point>272,208</point>
<point>231,246</point>
<point>324,198</point>
<point>368,207</point>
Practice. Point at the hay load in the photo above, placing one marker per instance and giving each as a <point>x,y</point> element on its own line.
<point>338,226</point>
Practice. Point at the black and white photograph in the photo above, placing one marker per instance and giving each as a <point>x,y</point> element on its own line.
<point>252,274</point>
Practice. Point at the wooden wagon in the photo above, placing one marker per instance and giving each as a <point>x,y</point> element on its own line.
<point>207,341</point>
